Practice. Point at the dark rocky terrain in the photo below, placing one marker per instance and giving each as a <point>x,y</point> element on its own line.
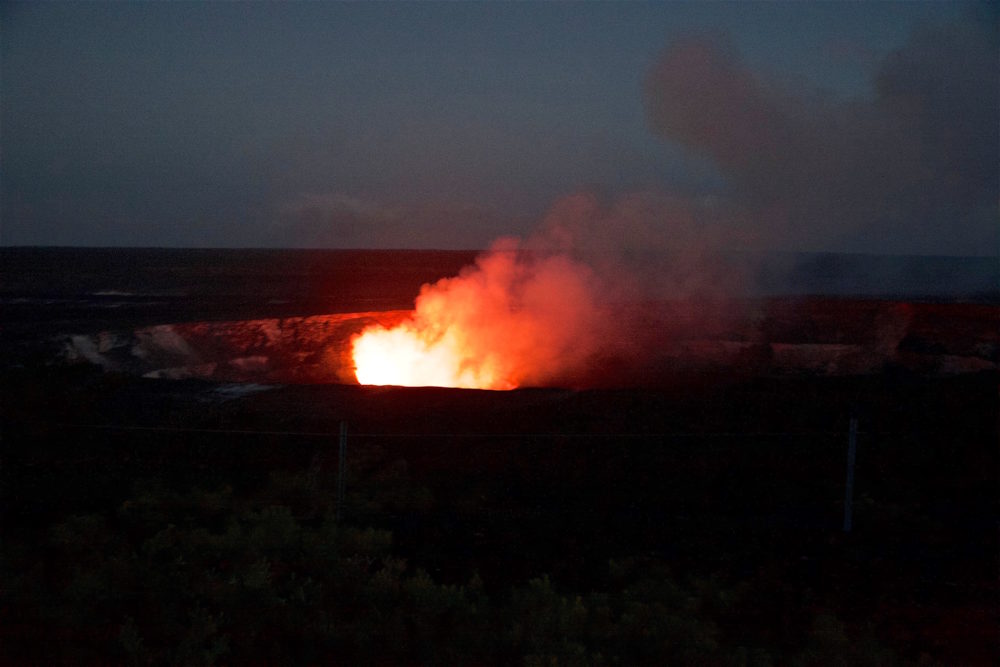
<point>288,316</point>
<point>695,520</point>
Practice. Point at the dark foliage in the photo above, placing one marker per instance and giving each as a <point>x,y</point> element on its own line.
<point>606,541</point>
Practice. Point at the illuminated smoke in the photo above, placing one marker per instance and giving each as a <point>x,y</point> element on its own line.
<point>557,309</point>
<point>602,287</point>
<point>514,318</point>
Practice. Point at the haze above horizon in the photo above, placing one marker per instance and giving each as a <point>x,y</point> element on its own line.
<point>861,128</point>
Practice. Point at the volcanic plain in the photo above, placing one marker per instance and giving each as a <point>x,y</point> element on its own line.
<point>190,474</point>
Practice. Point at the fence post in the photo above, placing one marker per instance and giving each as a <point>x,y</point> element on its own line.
<point>852,450</point>
<point>340,469</point>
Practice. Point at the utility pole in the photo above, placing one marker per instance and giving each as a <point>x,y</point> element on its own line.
<point>852,452</point>
<point>340,469</point>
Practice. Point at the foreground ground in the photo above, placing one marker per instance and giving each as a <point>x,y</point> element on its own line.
<point>195,523</point>
<point>697,520</point>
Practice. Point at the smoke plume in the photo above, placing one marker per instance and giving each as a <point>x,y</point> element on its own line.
<point>584,301</point>
<point>887,172</point>
<point>604,286</point>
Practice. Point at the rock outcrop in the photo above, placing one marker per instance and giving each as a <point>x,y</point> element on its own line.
<point>286,350</point>
<point>815,336</point>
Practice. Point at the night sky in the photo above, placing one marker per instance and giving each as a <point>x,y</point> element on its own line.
<point>869,127</point>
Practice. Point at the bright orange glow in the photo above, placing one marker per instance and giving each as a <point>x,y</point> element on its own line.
<point>407,357</point>
<point>512,320</point>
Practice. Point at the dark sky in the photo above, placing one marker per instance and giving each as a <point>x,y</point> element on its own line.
<point>867,127</point>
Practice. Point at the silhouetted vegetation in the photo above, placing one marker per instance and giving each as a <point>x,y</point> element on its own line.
<point>201,577</point>
<point>607,542</point>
